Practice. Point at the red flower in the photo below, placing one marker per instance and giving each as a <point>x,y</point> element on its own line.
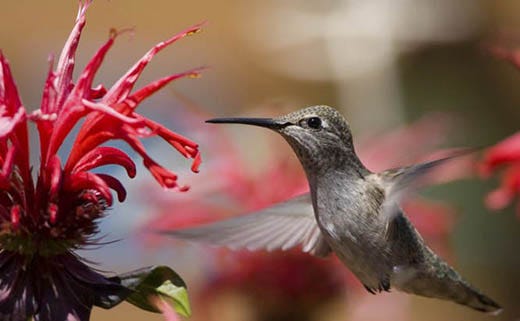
<point>43,222</point>
<point>504,154</point>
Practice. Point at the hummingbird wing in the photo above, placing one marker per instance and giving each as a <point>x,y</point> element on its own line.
<point>399,182</point>
<point>282,226</point>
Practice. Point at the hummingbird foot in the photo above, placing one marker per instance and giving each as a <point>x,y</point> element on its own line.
<point>384,285</point>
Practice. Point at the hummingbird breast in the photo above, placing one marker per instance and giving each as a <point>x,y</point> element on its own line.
<point>348,209</point>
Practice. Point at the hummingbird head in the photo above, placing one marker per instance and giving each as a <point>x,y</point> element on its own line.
<point>319,135</point>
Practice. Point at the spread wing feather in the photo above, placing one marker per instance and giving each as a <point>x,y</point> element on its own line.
<point>401,182</point>
<point>282,226</point>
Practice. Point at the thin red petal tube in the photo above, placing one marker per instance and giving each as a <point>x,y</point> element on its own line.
<point>197,160</point>
<point>510,186</point>
<point>105,155</point>
<point>10,98</point>
<point>114,184</point>
<point>121,89</point>
<point>53,212</point>
<point>66,63</point>
<point>179,142</point>
<point>48,97</point>
<point>15,216</point>
<point>8,92</point>
<point>163,176</point>
<point>505,152</point>
<point>97,92</point>
<point>7,167</point>
<point>8,124</point>
<point>55,176</point>
<point>83,88</point>
<point>94,134</point>
<point>62,127</point>
<point>49,91</point>
<point>153,87</point>
<point>84,181</point>
<point>110,111</point>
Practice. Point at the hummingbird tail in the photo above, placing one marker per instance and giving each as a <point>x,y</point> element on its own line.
<point>464,293</point>
<point>445,283</point>
<point>480,302</point>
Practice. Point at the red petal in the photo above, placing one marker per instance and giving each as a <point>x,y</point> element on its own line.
<point>65,66</point>
<point>53,212</point>
<point>62,126</point>
<point>9,123</point>
<point>84,83</point>
<point>153,87</point>
<point>498,199</point>
<point>55,175</point>
<point>163,176</point>
<point>121,89</point>
<point>8,93</point>
<point>99,129</point>
<point>84,181</point>
<point>49,92</point>
<point>13,118</point>
<point>7,167</point>
<point>505,152</point>
<point>48,98</point>
<point>15,216</point>
<point>178,141</point>
<point>68,107</point>
<point>97,92</point>
<point>116,185</point>
<point>110,111</point>
<point>105,155</point>
<point>196,163</point>
<point>504,195</point>
<point>511,178</point>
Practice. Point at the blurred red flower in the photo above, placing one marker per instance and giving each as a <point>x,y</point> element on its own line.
<point>505,154</point>
<point>42,222</point>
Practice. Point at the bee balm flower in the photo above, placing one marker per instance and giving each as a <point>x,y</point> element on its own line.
<point>44,218</point>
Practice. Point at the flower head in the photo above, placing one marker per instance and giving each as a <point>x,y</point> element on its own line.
<point>45,218</point>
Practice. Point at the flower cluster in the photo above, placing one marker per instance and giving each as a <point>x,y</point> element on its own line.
<point>44,218</point>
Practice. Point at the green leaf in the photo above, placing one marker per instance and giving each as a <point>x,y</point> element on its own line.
<point>156,281</point>
<point>177,296</point>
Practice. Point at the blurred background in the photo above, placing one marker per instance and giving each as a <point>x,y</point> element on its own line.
<point>410,76</point>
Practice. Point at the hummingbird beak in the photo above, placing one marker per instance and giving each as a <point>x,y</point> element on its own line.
<point>261,122</point>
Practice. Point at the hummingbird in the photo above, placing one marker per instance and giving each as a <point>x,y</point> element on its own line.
<point>349,211</point>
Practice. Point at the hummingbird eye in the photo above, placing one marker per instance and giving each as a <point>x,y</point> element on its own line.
<point>314,122</point>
